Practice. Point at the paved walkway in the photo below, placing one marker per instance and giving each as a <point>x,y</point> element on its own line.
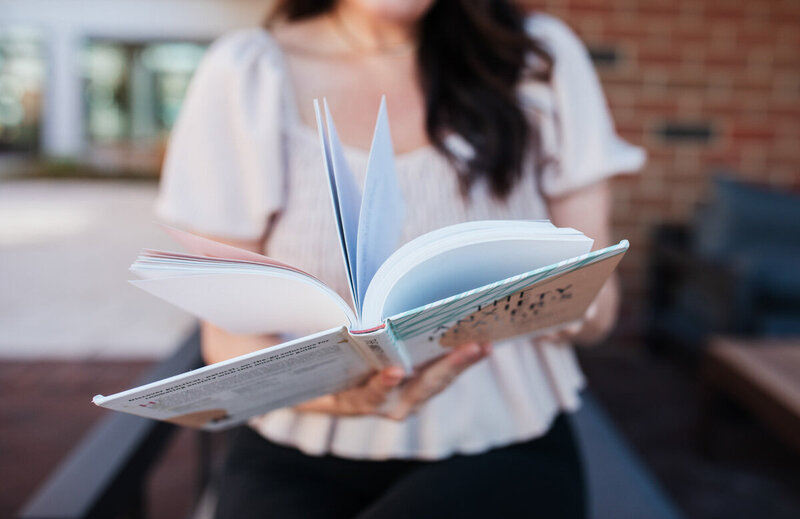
<point>65,248</point>
<point>46,410</point>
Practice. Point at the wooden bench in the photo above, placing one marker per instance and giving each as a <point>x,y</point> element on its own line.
<point>761,375</point>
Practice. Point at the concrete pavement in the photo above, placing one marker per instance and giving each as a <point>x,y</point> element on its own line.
<point>65,248</point>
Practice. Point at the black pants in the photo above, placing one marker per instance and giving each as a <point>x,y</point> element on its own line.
<point>541,478</point>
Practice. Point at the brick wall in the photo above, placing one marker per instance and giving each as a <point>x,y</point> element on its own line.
<point>703,85</point>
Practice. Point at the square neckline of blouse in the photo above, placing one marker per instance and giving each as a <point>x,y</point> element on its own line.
<point>301,128</point>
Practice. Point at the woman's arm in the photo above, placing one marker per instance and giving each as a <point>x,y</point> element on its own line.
<point>218,345</point>
<point>589,210</point>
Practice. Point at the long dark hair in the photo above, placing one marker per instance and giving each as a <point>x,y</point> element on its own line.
<point>471,57</point>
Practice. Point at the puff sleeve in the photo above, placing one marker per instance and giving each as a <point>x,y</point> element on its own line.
<point>587,147</point>
<point>223,172</point>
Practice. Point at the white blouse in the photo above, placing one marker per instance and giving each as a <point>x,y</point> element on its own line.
<point>240,153</point>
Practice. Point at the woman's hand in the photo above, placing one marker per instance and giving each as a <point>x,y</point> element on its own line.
<point>387,394</point>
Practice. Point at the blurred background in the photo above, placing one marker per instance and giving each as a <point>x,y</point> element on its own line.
<point>702,376</point>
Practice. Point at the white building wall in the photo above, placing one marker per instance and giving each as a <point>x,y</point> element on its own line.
<point>66,23</point>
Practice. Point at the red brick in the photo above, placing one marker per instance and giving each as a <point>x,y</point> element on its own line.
<point>752,132</point>
<point>733,64</point>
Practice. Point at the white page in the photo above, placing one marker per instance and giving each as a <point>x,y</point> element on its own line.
<point>464,256</point>
<point>337,209</point>
<point>253,303</point>
<point>348,197</point>
<point>382,208</point>
<point>475,265</point>
<point>201,246</point>
<point>149,257</point>
<point>151,268</point>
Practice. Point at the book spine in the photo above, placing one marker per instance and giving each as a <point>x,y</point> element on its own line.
<point>381,347</point>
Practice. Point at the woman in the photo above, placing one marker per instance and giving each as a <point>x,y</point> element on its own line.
<point>493,115</point>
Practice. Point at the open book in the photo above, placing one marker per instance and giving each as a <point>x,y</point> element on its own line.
<point>475,281</point>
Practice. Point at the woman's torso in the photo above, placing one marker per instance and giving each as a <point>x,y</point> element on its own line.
<point>511,396</point>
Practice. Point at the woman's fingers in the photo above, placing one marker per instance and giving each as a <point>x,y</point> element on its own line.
<point>368,398</point>
<point>564,334</point>
<point>364,399</point>
<point>436,377</point>
<point>375,396</point>
<point>441,373</point>
<point>379,386</point>
<point>592,311</point>
<point>570,331</point>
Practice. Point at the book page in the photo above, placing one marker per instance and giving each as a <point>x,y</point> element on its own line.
<point>464,256</point>
<point>149,257</point>
<point>279,301</point>
<point>380,223</point>
<point>205,247</point>
<point>345,196</point>
<point>228,393</point>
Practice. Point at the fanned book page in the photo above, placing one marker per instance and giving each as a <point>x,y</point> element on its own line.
<point>380,223</point>
<point>345,197</point>
<point>369,224</point>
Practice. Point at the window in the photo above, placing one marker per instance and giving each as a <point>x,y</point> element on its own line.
<point>133,91</point>
<point>22,74</point>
